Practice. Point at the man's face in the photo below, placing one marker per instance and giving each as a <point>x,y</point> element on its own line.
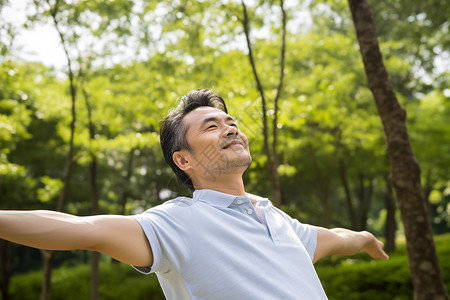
<point>218,146</point>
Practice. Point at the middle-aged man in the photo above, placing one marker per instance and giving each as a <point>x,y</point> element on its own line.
<point>222,243</point>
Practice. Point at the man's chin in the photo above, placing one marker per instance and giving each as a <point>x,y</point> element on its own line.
<point>241,162</point>
<point>235,166</point>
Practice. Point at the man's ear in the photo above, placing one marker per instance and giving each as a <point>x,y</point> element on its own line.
<point>181,159</point>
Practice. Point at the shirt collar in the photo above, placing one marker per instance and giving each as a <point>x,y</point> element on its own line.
<point>257,198</point>
<point>219,199</point>
<point>215,198</point>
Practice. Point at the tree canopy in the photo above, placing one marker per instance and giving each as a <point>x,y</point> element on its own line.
<point>127,62</point>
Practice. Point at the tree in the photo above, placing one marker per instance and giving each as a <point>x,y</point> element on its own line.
<point>405,170</point>
<point>270,145</point>
<point>15,183</point>
<point>48,255</point>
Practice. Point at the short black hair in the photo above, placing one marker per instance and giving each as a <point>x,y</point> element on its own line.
<point>173,132</point>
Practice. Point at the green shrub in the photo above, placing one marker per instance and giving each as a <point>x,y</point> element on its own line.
<point>348,278</point>
<point>117,281</point>
<point>26,286</point>
<point>359,277</point>
<point>381,280</point>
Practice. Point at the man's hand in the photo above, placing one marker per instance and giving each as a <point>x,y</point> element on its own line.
<point>339,241</point>
<point>375,248</point>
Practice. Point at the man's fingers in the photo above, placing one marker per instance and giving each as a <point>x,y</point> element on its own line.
<point>376,250</point>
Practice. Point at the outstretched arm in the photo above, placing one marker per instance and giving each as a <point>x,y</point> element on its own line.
<point>347,242</point>
<point>120,237</point>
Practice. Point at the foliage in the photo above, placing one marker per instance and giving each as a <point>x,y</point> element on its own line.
<point>118,281</point>
<point>359,277</point>
<point>134,59</point>
<point>356,277</point>
<point>327,117</point>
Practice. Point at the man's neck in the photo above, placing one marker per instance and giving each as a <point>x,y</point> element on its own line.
<point>232,185</point>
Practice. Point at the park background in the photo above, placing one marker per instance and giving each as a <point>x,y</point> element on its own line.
<point>80,133</point>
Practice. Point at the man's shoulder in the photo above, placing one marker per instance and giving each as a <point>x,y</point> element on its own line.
<point>171,206</point>
<point>178,202</point>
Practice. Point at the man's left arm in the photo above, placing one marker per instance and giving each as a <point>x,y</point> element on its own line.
<point>339,241</point>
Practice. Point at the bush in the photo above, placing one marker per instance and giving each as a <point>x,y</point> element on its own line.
<point>381,280</point>
<point>348,278</point>
<point>117,281</point>
<point>360,277</point>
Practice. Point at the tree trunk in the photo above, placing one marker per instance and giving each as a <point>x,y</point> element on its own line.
<point>364,199</point>
<point>48,255</point>
<point>428,188</point>
<point>391,224</point>
<point>324,187</point>
<point>95,278</point>
<point>405,170</point>
<point>361,199</point>
<point>95,256</point>
<point>275,180</point>
<point>48,267</point>
<point>270,149</point>
<point>348,195</point>
<point>124,193</point>
<point>6,252</point>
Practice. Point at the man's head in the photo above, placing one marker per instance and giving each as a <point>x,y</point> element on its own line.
<point>173,130</point>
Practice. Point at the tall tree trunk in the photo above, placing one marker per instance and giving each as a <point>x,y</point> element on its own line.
<point>368,201</point>
<point>48,268</point>
<point>124,193</point>
<point>270,148</point>
<point>364,199</point>
<point>324,187</point>
<point>6,253</point>
<point>48,255</point>
<point>361,200</point>
<point>428,185</point>
<point>428,188</point>
<point>348,195</point>
<point>405,170</point>
<point>391,224</point>
<point>95,277</point>
<point>276,184</point>
<point>95,256</point>
<point>325,176</point>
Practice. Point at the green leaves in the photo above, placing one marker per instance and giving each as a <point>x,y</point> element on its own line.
<point>133,60</point>
<point>50,190</point>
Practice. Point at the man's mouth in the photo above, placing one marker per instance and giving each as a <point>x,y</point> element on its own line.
<point>234,143</point>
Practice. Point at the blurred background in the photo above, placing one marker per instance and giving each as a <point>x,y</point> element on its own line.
<point>85,85</point>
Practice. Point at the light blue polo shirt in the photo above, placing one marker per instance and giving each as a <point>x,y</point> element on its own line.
<point>216,246</point>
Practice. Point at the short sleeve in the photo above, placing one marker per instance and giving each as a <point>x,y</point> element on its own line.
<point>166,232</point>
<point>147,223</point>
<point>306,233</point>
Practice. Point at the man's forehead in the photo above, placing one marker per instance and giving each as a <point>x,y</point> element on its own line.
<point>206,110</point>
<point>203,114</point>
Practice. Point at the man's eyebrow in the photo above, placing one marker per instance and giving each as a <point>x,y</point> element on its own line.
<point>211,119</point>
<point>215,119</point>
<point>231,119</point>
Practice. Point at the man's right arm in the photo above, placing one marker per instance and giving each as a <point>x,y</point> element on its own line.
<point>120,237</point>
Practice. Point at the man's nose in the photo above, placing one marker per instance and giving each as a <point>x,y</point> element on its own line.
<point>232,130</point>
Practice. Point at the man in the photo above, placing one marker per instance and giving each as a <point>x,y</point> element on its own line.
<point>221,244</point>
